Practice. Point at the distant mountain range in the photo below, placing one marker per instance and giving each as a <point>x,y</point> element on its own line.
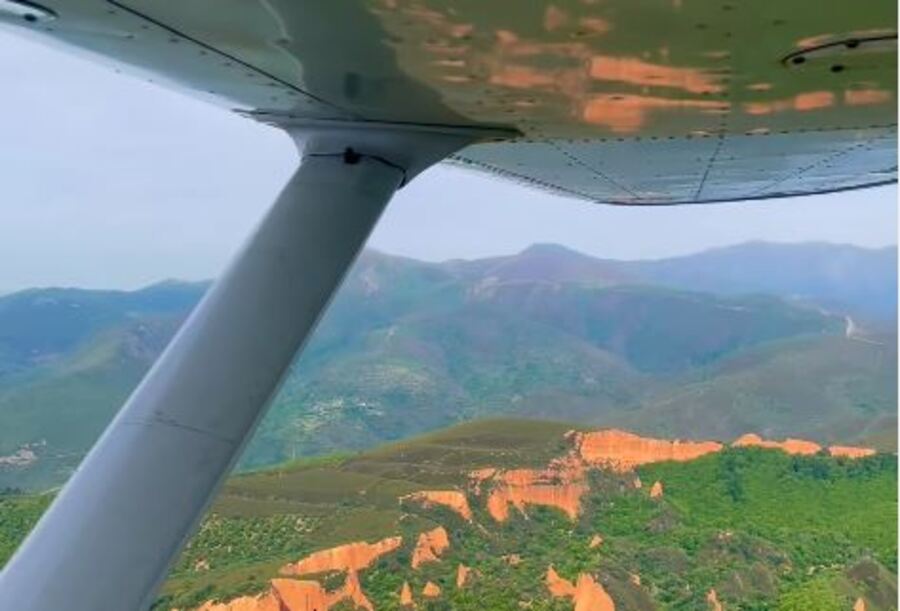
<point>777,339</point>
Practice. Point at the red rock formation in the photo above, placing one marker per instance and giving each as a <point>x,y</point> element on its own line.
<point>596,541</point>
<point>431,590</point>
<point>859,605</point>
<point>587,594</point>
<point>789,445</point>
<point>559,486</point>
<point>304,595</point>
<point>850,452</point>
<point>454,500</point>
<point>297,595</point>
<point>713,599</point>
<point>430,546</point>
<point>406,597</point>
<point>558,586</point>
<point>656,490</point>
<point>622,451</point>
<point>462,575</point>
<point>264,602</point>
<point>350,557</point>
<point>635,579</point>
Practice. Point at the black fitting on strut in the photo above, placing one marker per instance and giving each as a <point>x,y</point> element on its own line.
<point>351,157</point>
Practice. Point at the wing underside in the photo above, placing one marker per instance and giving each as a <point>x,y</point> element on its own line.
<point>614,101</point>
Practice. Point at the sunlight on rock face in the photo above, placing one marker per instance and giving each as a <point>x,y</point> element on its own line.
<point>430,546</point>
<point>431,590</point>
<point>789,445</point>
<point>462,575</point>
<point>297,595</point>
<point>560,485</point>
<point>350,557</point>
<point>560,488</point>
<point>454,500</point>
<point>406,597</point>
<point>586,593</point>
<point>622,451</point>
<point>800,446</point>
<point>850,451</point>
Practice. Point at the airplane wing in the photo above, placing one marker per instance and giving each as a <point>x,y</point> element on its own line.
<point>614,101</point>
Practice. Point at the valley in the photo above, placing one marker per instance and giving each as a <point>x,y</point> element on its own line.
<point>665,348</point>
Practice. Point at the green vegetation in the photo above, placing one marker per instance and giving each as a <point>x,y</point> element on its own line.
<point>764,529</point>
<point>409,347</point>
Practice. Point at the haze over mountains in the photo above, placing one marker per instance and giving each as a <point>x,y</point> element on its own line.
<point>776,339</point>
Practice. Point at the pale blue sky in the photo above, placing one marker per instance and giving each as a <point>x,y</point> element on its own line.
<point>111,182</point>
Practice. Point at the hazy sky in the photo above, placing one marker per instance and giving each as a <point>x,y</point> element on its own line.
<point>111,182</point>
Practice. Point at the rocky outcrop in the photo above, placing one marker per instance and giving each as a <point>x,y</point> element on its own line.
<point>596,541</point>
<point>656,490</point>
<point>623,451</point>
<point>713,599</point>
<point>453,500</point>
<point>800,446</point>
<point>850,452</point>
<point>297,595</point>
<point>431,590</point>
<point>429,547</point>
<point>561,488</point>
<point>789,445</point>
<point>859,605</point>
<point>406,597</point>
<point>462,575</point>
<point>587,594</point>
<point>351,557</point>
<point>306,595</point>
<point>264,602</point>
<point>558,586</point>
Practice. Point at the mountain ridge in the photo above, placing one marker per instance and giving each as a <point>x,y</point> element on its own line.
<point>409,346</point>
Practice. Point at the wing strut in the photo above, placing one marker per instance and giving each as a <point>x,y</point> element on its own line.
<point>108,539</point>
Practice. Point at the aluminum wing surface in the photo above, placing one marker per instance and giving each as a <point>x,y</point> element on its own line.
<point>619,101</point>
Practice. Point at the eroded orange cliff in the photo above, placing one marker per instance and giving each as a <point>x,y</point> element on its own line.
<point>559,487</point>
<point>789,445</point>
<point>350,557</point>
<point>462,575</point>
<point>587,594</point>
<point>453,500</point>
<point>622,451</point>
<point>850,451</point>
<point>406,597</point>
<point>429,547</point>
<point>297,595</point>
